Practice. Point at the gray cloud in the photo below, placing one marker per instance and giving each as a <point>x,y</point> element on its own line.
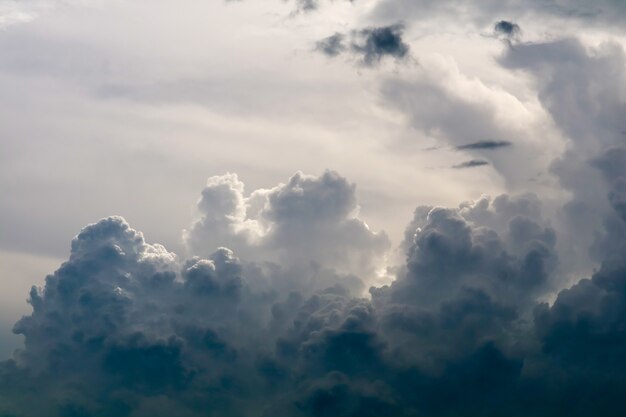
<point>332,45</point>
<point>591,119</point>
<point>264,316</point>
<point>507,28</point>
<point>485,144</point>
<point>125,327</point>
<point>370,45</point>
<point>375,43</point>
<point>473,163</point>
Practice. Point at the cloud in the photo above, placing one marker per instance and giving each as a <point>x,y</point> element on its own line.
<point>485,144</point>
<point>451,109</point>
<point>471,164</point>
<point>506,27</point>
<point>370,45</point>
<point>509,31</point>
<point>481,13</point>
<point>307,5</point>
<point>375,43</point>
<point>160,333</point>
<point>125,327</point>
<point>265,314</point>
<point>591,119</point>
<point>332,45</point>
<point>308,221</point>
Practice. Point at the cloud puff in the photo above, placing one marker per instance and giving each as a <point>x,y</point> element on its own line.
<point>332,45</point>
<point>370,45</point>
<point>507,28</point>
<point>376,43</point>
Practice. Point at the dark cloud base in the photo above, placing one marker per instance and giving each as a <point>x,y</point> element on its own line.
<point>126,328</point>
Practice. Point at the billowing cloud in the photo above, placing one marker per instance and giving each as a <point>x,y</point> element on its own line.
<point>307,222</point>
<point>125,327</point>
<point>591,119</point>
<point>505,306</point>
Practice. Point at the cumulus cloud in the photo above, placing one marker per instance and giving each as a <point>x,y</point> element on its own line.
<point>307,222</point>
<point>125,327</point>
<point>266,314</point>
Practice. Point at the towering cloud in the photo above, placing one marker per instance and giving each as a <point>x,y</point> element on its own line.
<point>125,327</point>
<point>309,222</point>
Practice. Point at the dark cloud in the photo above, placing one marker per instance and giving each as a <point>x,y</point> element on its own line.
<point>506,28</point>
<point>485,144</point>
<point>265,316</point>
<point>369,45</point>
<point>126,328</point>
<point>376,43</point>
<point>473,163</point>
<point>332,45</point>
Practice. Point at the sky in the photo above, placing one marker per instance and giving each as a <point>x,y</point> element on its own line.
<point>312,208</point>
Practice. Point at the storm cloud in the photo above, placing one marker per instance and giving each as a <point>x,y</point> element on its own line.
<point>282,296</point>
<point>125,327</point>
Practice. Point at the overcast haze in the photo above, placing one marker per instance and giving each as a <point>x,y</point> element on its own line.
<point>312,208</point>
